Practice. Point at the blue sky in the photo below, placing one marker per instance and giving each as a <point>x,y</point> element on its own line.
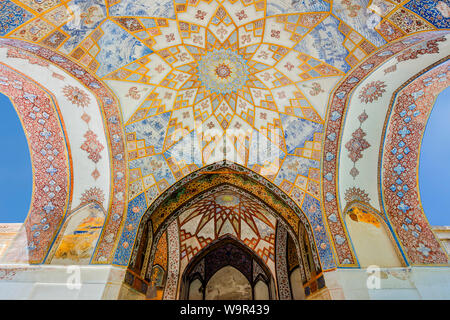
<point>16,176</point>
<point>434,167</point>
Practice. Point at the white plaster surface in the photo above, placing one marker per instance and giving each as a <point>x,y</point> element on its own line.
<point>25,282</point>
<point>418,283</point>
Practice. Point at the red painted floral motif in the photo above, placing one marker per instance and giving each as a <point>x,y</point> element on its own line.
<point>241,15</point>
<point>316,89</point>
<point>281,264</point>
<point>14,53</point>
<point>358,194</point>
<point>92,194</point>
<point>200,15</point>
<point>427,48</point>
<point>92,146</point>
<point>372,91</point>
<point>352,8</point>
<point>174,266</point>
<point>76,96</point>
<point>356,145</point>
<point>133,93</point>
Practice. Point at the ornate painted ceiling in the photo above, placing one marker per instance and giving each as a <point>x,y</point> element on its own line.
<point>177,85</point>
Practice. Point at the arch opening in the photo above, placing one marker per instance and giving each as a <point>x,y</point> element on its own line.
<point>228,283</point>
<point>436,141</point>
<point>227,270</point>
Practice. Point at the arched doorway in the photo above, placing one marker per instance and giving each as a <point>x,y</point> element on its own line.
<point>222,200</point>
<point>227,270</point>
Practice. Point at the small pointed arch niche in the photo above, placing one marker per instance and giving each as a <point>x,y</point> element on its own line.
<point>227,270</point>
<point>78,237</point>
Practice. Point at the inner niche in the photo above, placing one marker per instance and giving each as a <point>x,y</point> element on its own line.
<point>228,284</point>
<point>227,271</point>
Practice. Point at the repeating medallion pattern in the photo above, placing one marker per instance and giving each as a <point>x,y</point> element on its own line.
<point>173,242</point>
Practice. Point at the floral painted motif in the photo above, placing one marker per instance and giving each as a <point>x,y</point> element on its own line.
<point>351,7</point>
<point>357,194</point>
<point>316,89</point>
<point>372,91</point>
<point>15,53</point>
<point>76,96</point>
<point>92,194</point>
<point>92,146</point>
<point>223,71</point>
<point>429,47</point>
<point>357,144</point>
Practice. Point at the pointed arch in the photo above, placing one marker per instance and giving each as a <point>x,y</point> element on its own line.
<point>371,236</point>
<point>224,174</point>
<point>255,270</point>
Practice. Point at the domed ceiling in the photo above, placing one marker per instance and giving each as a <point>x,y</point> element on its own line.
<point>201,81</point>
<point>226,213</point>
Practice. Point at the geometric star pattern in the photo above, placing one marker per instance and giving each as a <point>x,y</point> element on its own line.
<point>227,213</point>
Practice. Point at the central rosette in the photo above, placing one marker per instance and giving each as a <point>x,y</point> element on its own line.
<point>223,71</point>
